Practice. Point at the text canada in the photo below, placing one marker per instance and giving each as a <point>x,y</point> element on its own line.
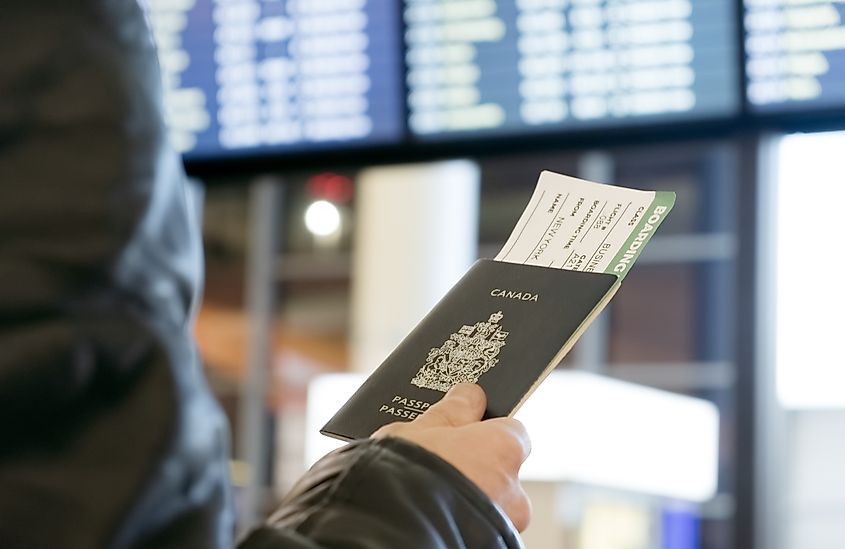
<point>510,294</point>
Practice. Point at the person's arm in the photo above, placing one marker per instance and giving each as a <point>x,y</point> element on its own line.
<point>398,489</point>
<point>385,494</point>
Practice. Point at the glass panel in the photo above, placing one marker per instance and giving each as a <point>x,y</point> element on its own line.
<point>652,317</point>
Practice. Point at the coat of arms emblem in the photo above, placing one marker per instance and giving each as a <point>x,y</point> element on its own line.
<point>464,357</point>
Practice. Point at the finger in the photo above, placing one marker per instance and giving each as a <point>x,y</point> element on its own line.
<point>518,507</point>
<point>517,445</point>
<point>463,404</point>
<point>390,430</point>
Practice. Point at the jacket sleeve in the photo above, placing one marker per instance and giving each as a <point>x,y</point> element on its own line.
<point>385,493</point>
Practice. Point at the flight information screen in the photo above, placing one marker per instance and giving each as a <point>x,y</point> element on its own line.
<point>258,76</point>
<point>513,66</point>
<point>795,54</point>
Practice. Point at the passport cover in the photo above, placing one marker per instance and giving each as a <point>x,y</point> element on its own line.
<point>504,326</point>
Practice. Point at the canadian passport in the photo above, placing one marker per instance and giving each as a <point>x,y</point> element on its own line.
<point>508,322</point>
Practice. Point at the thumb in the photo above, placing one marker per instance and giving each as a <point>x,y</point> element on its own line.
<point>464,403</point>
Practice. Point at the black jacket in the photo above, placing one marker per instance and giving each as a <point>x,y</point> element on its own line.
<point>108,434</point>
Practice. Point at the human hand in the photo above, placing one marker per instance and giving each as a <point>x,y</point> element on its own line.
<point>488,452</point>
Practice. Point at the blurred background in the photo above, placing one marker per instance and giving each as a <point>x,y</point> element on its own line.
<point>351,158</point>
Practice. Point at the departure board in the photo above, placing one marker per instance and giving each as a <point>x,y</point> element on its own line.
<point>260,76</point>
<point>485,67</point>
<point>795,54</point>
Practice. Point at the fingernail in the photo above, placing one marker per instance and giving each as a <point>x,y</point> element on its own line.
<point>461,387</point>
<point>469,391</point>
